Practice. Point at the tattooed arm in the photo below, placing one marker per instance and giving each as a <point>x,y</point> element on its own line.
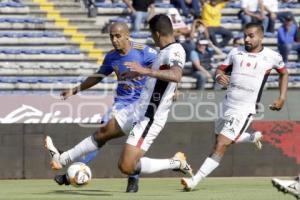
<point>173,74</point>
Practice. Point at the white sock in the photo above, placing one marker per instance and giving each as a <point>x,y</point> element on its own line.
<point>85,146</point>
<point>207,167</point>
<point>246,137</point>
<point>149,165</point>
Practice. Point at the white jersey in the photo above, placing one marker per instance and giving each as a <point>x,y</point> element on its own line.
<point>157,95</point>
<point>249,72</point>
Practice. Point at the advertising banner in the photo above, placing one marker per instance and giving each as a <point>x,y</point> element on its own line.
<point>52,109</point>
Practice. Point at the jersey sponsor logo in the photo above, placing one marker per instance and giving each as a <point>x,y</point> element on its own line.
<point>239,87</point>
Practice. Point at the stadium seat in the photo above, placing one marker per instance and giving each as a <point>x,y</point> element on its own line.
<point>119,5</point>
<point>121,19</point>
<point>140,35</point>
<point>8,80</point>
<point>163,5</point>
<point>11,4</point>
<point>104,5</point>
<point>233,5</point>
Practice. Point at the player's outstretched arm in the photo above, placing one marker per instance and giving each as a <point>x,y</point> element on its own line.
<point>87,83</point>
<point>283,85</point>
<point>173,74</point>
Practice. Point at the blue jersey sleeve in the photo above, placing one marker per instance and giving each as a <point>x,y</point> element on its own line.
<point>149,55</point>
<point>106,67</point>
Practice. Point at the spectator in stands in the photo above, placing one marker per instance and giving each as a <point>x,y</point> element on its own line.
<point>188,7</point>
<point>181,31</point>
<point>91,6</point>
<point>201,59</point>
<point>211,16</point>
<point>271,8</point>
<point>287,38</point>
<point>140,11</point>
<point>253,11</point>
<point>199,32</point>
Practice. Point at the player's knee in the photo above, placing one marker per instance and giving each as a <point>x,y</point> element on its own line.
<point>126,167</point>
<point>99,139</point>
<point>221,147</point>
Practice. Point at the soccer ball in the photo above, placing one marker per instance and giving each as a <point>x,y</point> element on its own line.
<point>79,174</point>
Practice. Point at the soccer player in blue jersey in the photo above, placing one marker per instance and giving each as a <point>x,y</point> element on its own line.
<point>118,122</point>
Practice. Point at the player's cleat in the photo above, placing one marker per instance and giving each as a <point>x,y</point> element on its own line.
<point>61,179</point>
<point>258,136</point>
<point>54,153</point>
<point>188,184</point>
<point>132,184</point>
<point>184,166</point>
<point>287,186</point>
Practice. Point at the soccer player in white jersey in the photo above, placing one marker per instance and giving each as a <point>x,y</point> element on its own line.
<point>288,186</point>
<point>154,103</point>
<point>249,65</point>
<point>151,111</point>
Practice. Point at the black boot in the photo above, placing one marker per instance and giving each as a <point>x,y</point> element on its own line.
<point>61,179</point>
<point>133,184</point>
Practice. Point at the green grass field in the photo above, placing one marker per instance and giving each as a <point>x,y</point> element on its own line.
<point>150,189</point>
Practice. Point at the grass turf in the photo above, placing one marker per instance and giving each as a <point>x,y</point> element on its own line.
<point>150,189</point>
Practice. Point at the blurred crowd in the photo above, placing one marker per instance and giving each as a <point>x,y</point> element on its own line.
<point>198,27</point>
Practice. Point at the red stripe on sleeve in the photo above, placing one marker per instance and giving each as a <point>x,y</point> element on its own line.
<point>223,67</point>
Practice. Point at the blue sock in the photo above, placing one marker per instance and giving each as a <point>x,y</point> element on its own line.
<point>88,157</point>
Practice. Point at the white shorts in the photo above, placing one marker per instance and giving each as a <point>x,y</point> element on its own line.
<point>233,123</point>
<point>143,134</point>
<point>124,117</point>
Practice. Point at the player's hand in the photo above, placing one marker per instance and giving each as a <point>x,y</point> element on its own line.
<point>223,79</point>
<point>67,93</point>
<point>136,67</point>
<point>277,105</point>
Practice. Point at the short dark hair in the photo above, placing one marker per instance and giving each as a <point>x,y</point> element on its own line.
<point>162,24</point>
<point>259,26</point>
<point>288,18</point>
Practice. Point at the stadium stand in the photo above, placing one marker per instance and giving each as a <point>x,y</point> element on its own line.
<point>47,44</point>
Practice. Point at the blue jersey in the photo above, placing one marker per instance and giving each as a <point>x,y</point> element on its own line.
<point>128,91</point>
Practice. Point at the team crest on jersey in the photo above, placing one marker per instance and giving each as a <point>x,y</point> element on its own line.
<point>177,54</point>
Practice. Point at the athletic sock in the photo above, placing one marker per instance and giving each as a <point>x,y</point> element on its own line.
<point>88,157</point>
<point>149,165</point>
<point>82,148</point>
<point>207,167</point>
<point>246,137</point>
